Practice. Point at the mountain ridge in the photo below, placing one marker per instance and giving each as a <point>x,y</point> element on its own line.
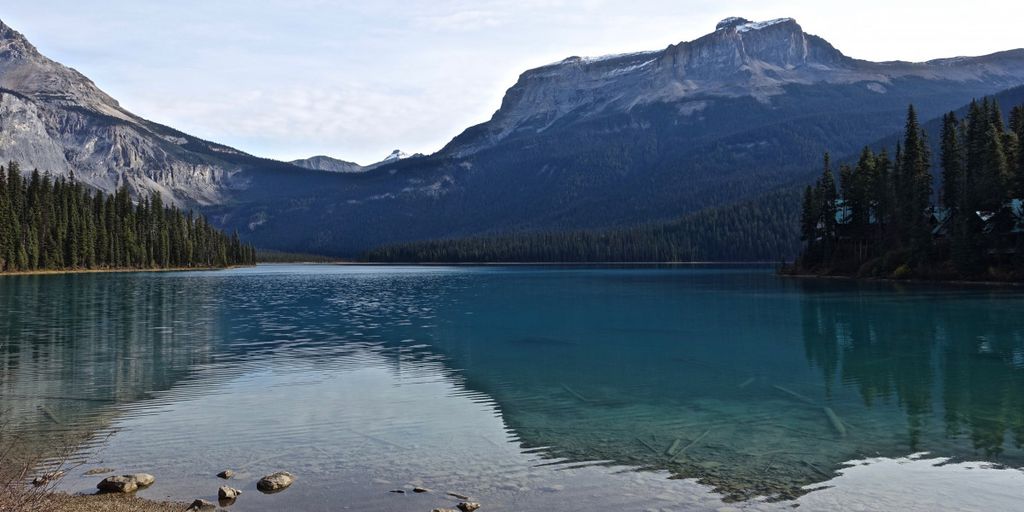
<point>583,143</point>
<point>740,58</point>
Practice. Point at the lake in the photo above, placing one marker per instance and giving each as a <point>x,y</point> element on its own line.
<point>526,387</point>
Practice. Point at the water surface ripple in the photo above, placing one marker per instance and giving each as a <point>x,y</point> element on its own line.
<point>555,388</point>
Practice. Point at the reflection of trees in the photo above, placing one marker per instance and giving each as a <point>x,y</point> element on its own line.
<point>902,346</point>
<point>71,346</point>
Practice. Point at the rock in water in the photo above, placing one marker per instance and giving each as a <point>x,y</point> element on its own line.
<point>126,483</point>
<point>226,474</point>
<point>420,489</point>
<point>227,493</point>
<point>98,471</point>
<point>143,479</point>
<point>275,482</point>
<point>200,505</point>
<point>122,483</point>
<point>468,506</point>
<point>444,510</point>
<point>46,478</point>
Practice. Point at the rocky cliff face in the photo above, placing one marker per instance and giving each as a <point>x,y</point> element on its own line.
<point>54,119</point>
<point>740,58</point>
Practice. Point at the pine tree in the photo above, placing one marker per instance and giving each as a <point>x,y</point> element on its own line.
<point>48,223</point>
<point>1017,128</point>
<point>827,207</point>
<point>952,162</point>
<point>916,181</point>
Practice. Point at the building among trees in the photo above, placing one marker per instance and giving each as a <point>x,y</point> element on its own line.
<point>884,219</point>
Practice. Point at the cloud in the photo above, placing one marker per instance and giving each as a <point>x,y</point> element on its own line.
<point>463,21</point>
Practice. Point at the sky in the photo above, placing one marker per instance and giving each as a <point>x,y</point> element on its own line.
<point>289,79</point>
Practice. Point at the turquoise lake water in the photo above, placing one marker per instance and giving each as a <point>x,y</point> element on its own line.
<point>527,388</point>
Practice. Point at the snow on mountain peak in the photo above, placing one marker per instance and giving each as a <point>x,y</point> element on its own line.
<point>397,154</point>
<point>731,22</point>
<point>744,25</point>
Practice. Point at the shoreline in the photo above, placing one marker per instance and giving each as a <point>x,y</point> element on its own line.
<point>57,501</point>
<point>47,272</point>
<point>956,282</point>
<point>555,263</point>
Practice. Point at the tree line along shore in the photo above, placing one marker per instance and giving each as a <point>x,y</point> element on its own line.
<point>885,218</point>
<point>59,224</point>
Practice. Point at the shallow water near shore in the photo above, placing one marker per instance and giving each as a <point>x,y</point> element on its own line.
<point>555,388</point>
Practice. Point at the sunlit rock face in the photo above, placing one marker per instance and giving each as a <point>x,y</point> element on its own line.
<point>54,119</point>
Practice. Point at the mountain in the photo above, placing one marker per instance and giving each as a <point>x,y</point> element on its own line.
<point>580,144</point>
<point>55,119</point>
<point>616,141</point>
<point>326,163</point>
<point>762,229</point>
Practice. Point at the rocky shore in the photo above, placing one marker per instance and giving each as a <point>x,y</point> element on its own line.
<point>117,494</point>
<point>60,502</point>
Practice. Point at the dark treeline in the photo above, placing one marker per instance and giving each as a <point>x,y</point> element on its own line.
<point>272,256</point>
<point>880,217</point>
<point>59,224</point>
<point>753,231</point>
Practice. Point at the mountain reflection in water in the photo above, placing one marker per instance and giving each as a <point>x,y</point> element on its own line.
<point>755,385</point>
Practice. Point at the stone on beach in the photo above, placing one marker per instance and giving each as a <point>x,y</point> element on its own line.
<point>125,483</point>
<point>275,482</point>
<point>468,506</point>
<point>200,505</point>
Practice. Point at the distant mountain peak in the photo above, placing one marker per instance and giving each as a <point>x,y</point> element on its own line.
<point>326,163</point>
<point>395,156</point>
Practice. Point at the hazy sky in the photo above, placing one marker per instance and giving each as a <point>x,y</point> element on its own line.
<point>354,80</point>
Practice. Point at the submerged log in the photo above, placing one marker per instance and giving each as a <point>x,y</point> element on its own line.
<point>49,414</point>
<point>575,394</point>
<point>671,451</point>
<point>649,447</point>
<point>794,394</point>
<point>692,443</point>
<point>837,423</point>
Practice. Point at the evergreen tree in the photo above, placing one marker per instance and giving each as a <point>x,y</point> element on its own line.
<point>915,190</point>
<point>952,162</point>
<point>888,204</point>
<point>1017,129</point>
<point>60,224</point>
<point>827,207</point>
